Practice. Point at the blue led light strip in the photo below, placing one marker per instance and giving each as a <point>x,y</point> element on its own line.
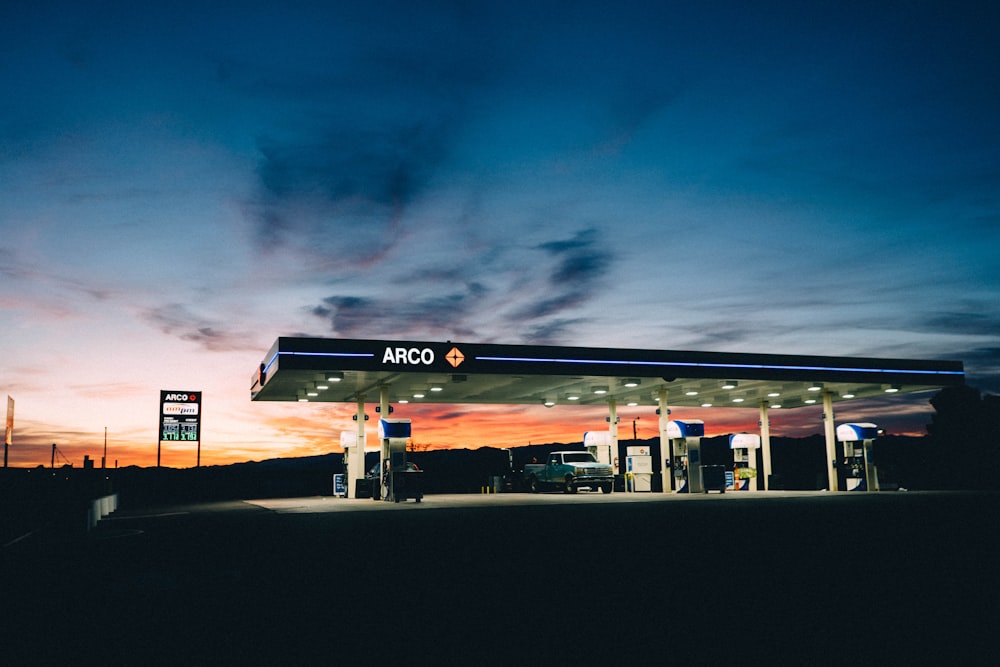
<point>711,365</point>
<point>329,354</point>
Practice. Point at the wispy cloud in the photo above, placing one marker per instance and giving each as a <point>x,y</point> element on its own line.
<point>177,320</point>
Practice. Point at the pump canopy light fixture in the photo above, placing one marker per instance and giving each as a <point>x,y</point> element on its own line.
<point>573,397</point>
<point>600,389</point>
<point>815,387</point>
<point>892,389</point>
<point>729,384</point>
<point>334,377</point>
<point>548,402</point>
<point>631,382</point>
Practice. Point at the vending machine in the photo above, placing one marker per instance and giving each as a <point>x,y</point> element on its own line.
<point>685,437</point>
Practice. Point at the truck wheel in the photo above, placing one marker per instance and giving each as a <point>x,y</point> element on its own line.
<point>533,484</point>
<point>606,488</point>
<point>569,484</point>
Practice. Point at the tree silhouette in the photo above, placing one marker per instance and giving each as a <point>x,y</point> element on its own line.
<point>965,436</point>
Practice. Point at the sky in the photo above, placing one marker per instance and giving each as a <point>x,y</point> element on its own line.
<point>181,183</point>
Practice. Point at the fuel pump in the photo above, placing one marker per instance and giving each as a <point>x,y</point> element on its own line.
<point>744,446</point>
<point>341,482</point>
<point>685,454</point>
<point>855,470</point>
<point>397,483</point>
<point>598,443</point>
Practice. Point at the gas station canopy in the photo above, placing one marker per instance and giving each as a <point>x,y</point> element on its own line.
<point>343,370</point>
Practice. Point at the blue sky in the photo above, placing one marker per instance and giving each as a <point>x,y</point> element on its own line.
<point>182,183</point>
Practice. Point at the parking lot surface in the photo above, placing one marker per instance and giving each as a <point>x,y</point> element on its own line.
<point>792,578</point>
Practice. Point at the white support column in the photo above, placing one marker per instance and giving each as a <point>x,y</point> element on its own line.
<point>765,442</point>
<point>831,444</point>
<point>357,466</point>
<point>383,412</point>
<point>665,471</point>
<point>613,429</point>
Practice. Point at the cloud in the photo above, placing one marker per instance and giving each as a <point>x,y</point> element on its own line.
<point>580,264</point>
<point>982,368</point>
<point>973,321</point>
<point>361,317</point>
<point>521,293</point>
<point>176,320</point>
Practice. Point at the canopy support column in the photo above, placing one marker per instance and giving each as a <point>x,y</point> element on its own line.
<point>357,466</point>
<point>831,443</point>
<point>383,413</point>
<point>665,463</point>
<point>765,444</point>
<point>613,427</point>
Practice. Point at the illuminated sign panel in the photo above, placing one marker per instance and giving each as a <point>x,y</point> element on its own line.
<point>180,416</point>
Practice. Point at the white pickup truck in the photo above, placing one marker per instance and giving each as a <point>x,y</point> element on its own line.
<point>569,471</point>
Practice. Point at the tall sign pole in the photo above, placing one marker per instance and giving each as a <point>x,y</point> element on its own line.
<point>8,437</point>
<point>180,419</point>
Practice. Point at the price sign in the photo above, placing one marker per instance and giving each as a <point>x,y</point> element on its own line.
<point>180,416</point>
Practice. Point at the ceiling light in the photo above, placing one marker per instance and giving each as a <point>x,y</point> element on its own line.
<point>738,400</point>
<point>418,395</point>
<point>548,402</point>
<point>706,405</point>
<point>690,393</point>
<point>601,389</point>
<point>776,406</point>
<point>729,384</point>
<point>312,393</point>
<point>322,387</point>
<point>809,401</point>
<point>630,382</point>
<point>847,396</point>
<point>773,394</point>
<point>893,389</point>
<point>572,397</point>
<point>334,377</point>
<point>437,388</point>
<point>815,387</point>
<point>303,400</point>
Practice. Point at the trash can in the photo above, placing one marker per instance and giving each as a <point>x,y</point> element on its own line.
<point>713,478</point>
<point>362,488</point>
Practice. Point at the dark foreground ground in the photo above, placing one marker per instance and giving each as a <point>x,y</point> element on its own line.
<point>892,578</point>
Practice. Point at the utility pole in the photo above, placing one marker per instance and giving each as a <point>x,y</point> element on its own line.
<point>105,457</point>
